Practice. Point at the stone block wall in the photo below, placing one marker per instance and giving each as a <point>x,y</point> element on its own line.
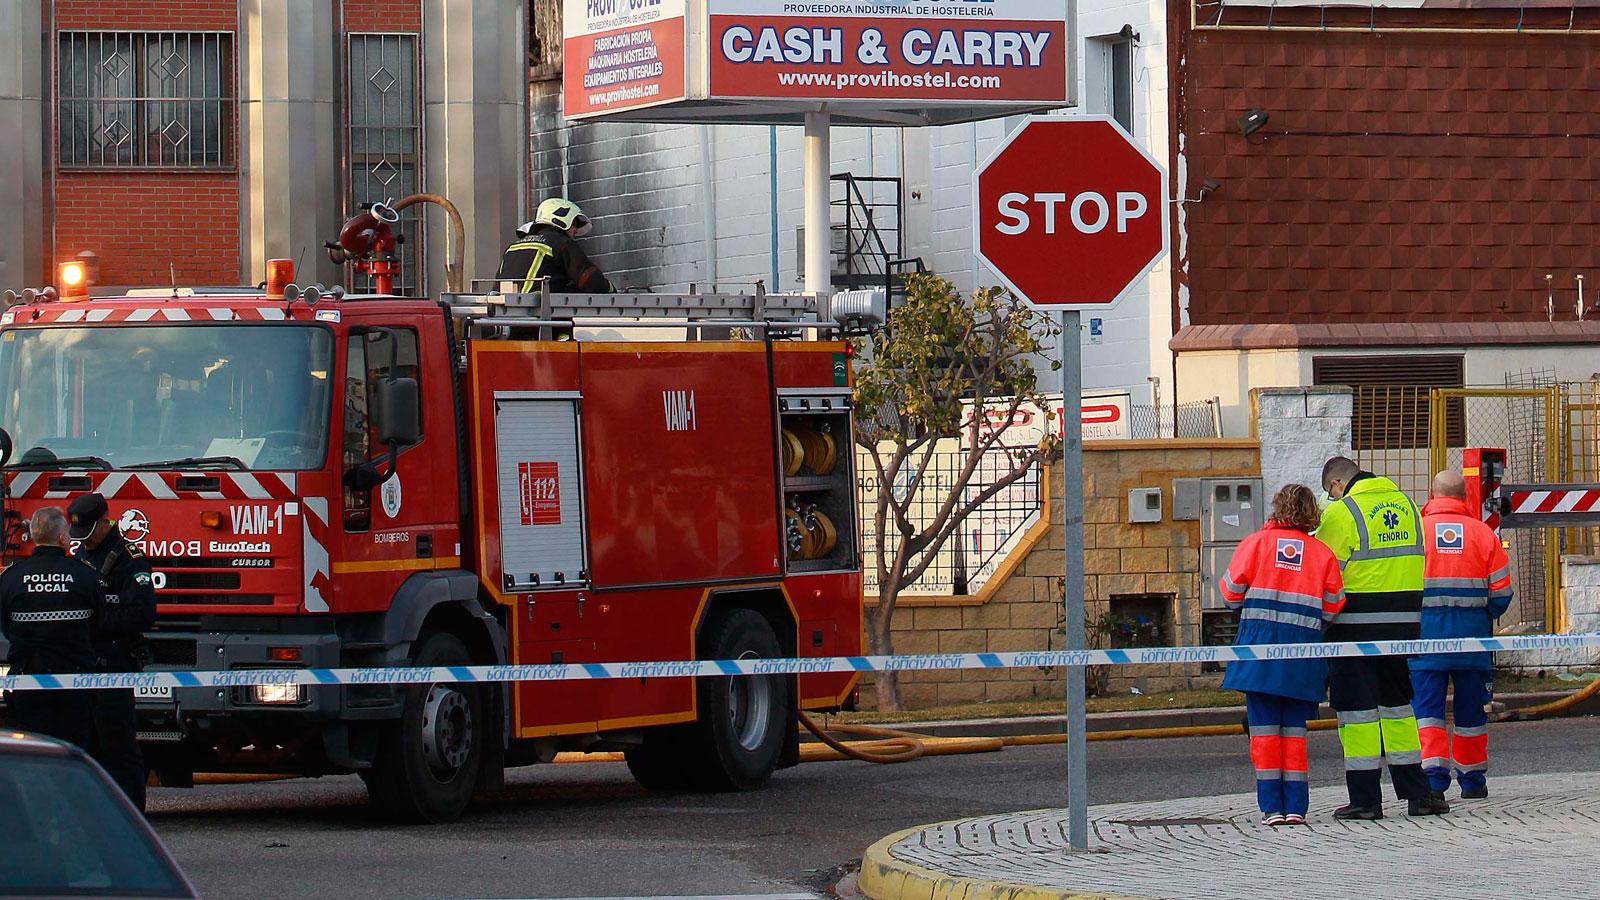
<point>1580,593</point>
<point>1129,569</point>
<point>1300,428</point>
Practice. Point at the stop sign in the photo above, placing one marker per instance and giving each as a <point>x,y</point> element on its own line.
<point>1070,212</point>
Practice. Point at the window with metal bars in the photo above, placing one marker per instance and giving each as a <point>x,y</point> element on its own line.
<point>1392,410</point>
<point>145,98</point>
<point>383,141</point>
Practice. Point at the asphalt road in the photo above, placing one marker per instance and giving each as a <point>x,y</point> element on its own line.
<point>586,830</point>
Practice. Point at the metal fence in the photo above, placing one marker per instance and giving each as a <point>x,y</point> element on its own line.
<point>985,538</point>
<point>1408,433</point>
<point>1195,419</point>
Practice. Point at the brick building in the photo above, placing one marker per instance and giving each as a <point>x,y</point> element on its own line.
<point>196,140</point>
<point>1421,186</point>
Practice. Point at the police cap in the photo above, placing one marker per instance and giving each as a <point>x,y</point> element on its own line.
<point>83,514</point>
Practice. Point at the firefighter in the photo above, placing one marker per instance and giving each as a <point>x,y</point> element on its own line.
<point>547,247</point>
<point>1376,533</point>
<point>49,603</point>
<point>1467,585</point>
<point>1286,585</point>
<point>130,611</point>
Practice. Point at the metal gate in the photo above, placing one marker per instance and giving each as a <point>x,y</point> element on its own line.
<point>1527,422</point>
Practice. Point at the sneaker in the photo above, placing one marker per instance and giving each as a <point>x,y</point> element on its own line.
<point>1294,819</point>
<point>1358,813</point>
<point>1274,820</point>
<point>1479,793</point>
<point>1431,805</point>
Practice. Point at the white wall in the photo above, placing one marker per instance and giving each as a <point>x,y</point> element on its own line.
<point>1137,331</point>
<point>1231,374</point>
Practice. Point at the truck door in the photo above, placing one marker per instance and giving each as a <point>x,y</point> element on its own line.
<point>408,523</point>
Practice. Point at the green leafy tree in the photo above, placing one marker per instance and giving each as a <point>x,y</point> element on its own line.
<point>919,381</point>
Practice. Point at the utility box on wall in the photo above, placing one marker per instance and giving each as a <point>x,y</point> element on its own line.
<point>1214,559</point>
<point>1144,506</point>
<point>1185,499</point>
<point>1230,509</point>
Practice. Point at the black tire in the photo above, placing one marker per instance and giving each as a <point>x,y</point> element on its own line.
<point>658,764</point>
<point>427,764</point>
<point>738,741</point>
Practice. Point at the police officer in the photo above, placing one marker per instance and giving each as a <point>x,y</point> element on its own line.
<point>49,603</point>
<point>547,248</point>
<point>130,611</point>
<point>1376,533</point>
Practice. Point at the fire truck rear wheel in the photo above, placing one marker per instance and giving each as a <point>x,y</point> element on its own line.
<point>658,764</point>
<point>427,766</point>
<point>738,741</point>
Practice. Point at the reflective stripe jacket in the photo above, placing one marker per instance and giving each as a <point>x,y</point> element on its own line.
<point>48,606</point>
<point>1467,584</point>
<point>1376,532</point>
<point>1286,586</point>
<point>549,253</point>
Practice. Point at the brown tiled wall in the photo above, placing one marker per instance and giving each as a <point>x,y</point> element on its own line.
<point>1025,612</point>
<point>1401,176</point>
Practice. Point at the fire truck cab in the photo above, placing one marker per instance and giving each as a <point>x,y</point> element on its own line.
<point>329,480</point>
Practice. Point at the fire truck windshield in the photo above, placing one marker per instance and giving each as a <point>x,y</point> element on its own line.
<point>180,396</point>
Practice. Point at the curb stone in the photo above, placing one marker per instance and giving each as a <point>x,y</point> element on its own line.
<point>883,877</point>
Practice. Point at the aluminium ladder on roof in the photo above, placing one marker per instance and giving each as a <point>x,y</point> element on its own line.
<point>496,314</point>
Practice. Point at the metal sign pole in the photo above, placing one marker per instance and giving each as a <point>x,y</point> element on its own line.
<point>1072,592</point>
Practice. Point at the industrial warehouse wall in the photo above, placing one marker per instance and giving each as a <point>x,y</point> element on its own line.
<point>1150,570</point>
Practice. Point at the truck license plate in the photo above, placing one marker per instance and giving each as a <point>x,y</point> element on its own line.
<point>159,692</point>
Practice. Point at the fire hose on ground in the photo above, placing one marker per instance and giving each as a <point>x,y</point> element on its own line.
<point>892,745</point>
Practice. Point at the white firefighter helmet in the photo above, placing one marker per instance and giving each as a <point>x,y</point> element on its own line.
<point>560,213</point>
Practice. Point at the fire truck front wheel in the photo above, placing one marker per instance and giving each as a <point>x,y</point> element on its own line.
<point>427,764</point>
<point>739,738</point>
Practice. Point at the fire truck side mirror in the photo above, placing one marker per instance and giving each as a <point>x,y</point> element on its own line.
<point>399,412</point>
<point>5,446</point>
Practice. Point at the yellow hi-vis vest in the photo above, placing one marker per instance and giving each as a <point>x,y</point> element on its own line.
<point>1376,532</point>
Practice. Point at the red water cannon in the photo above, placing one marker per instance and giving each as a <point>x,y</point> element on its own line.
<point>1484,469</point>
<point>368,243</point>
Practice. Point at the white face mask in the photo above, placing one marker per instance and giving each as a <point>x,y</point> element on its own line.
<point>1323,501</point>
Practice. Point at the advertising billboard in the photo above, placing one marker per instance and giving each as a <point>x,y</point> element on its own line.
<point>1423,4</point>
<point>921,51</point>
<point>621,54</point>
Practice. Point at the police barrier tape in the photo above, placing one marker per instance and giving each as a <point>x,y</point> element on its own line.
<point>697,668</point>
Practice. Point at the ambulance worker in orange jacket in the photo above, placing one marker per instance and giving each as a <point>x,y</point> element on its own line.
<point>1286,586</point>
<point>1465,587</point>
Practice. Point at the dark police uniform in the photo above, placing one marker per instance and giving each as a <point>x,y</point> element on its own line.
<point>130,611</point>
<point>48,605</point>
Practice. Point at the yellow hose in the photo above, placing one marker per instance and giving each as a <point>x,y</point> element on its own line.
<point>1553,707</point>
<point>888,745</point>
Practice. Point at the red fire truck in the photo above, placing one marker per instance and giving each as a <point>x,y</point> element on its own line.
<point>322,479</point>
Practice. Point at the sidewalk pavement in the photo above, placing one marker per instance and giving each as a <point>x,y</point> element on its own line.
<point>1533,838</point>
<point>1167,718</point>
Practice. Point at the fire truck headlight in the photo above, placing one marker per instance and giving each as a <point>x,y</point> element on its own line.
<point>278,693</point>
